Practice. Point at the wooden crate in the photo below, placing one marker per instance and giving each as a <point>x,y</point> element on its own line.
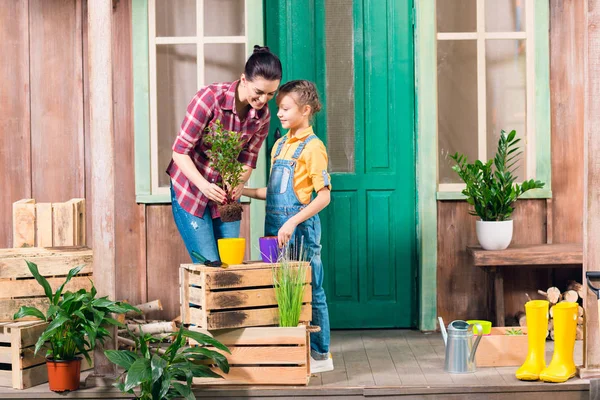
<point>19,288</point>
<point>48,224</point>
<point>264,356</point>
<point>19,367</point>
<point>239,296</point>
<point>500,350</point>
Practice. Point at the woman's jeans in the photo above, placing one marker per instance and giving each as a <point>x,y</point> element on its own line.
<point>201,234</point>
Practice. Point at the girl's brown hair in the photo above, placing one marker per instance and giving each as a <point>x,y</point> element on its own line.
<point>306,94</point>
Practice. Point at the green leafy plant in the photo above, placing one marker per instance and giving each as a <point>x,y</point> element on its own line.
<point>289,280</point>
<point>491,187</point>
<point>223,155</point>
<point>166,374</point>
<point>513,332</point>
<point>76,321</point>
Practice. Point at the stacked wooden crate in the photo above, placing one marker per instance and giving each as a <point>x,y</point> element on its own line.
<point>238,306</point>
<point>20,368</point>
<point>48,224</point>
<point>51,235</point>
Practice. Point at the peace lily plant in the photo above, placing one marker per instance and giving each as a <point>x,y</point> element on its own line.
<point>492,191</point>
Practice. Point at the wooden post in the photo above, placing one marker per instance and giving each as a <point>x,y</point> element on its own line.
<point>591,198</point>
<point>103,164</point>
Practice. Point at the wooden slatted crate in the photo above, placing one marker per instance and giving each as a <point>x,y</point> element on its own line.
<point>264,356</point>
<point>19,367</point>
<point>19,288</point>
<point>48,224</point>
<point>239,296</point>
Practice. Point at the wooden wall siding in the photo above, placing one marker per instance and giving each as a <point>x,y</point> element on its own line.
<point>15,154</point>
<point>567,27</point>
<point>463,290</point>
<point>57,131</point>
<point>166,251</point>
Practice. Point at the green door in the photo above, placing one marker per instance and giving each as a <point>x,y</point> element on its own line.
<point>360,54</point>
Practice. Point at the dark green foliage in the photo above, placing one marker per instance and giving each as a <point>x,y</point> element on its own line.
<point>167,374</point>
<point>75,320</point>
<point>491,187</point>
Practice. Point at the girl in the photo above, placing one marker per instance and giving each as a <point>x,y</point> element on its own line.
<point>299,168</point>
<point>240,106</point>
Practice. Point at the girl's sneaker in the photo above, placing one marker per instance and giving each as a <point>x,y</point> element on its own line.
<point>317,366</point>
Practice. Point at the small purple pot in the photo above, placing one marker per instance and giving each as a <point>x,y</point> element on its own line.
<point>269,249</point>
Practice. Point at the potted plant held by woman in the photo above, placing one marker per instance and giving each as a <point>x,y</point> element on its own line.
<point>225,149</point>
<point>492,191</point>
<point>76,321</point>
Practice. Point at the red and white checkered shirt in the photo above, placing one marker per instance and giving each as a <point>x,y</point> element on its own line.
<point>213,102</point>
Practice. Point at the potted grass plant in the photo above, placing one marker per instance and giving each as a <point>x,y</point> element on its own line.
<point>76,322</point>
<point>166,373</point>
<point>492,191</point>
<point>289,282</point>
<point>225,149</point>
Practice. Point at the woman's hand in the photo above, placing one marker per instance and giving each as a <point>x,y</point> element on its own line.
<point>237,192</point>
<point>285,232</point>
<point>213,192</point>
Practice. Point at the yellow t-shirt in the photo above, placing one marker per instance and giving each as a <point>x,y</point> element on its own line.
<point>311,167</point>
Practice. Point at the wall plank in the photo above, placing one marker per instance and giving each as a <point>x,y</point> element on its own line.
<point>15,154</point>
<point>567,27</point>
<point>131,273</point>
<point>56,64</point>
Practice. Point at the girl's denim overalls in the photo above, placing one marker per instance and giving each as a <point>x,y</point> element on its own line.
<point>282,204</point>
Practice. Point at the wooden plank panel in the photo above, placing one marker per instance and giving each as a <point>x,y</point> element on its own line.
<point>8,307</point>
<point>245,298</point>
<point>78,222</point>
<point>538,254</point>
<point>50,262</point>
<point>567,85</point>
<point>44,224</point>
<point>258,375</point>
<point>464,289</point>
<point>224,279</point>
<point>165,253</point>
<point>267,355</point>
<point>23,219</point>
<point>15,119</point>
<point>251,317</point>
<point>30,287</point>
<point>129,225</point>
<point>63,224</point>
<point>56,70</point>
<point>261,336</point>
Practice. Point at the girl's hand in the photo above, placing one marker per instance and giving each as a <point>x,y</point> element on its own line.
<point>285,233</point>
<point>238,191</point>
<point>213,192</point>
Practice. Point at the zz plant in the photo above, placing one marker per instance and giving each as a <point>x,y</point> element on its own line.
<point>491,187</point>
<point>76,321</point>
<point>156,374</point>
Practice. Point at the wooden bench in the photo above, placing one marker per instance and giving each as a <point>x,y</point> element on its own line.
<point>568,255</point>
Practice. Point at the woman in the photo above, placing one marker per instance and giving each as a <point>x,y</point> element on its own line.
<point>241,107</point>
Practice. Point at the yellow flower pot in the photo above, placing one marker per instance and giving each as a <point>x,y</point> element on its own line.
<point>232,250</point>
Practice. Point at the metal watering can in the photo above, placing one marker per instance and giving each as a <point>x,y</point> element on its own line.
<point>460,347</point>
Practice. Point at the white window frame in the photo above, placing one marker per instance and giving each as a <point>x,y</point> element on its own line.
<point>199,40</point>
<point>444,189</point>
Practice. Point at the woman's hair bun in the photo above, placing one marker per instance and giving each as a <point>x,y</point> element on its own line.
<point>260,49</point>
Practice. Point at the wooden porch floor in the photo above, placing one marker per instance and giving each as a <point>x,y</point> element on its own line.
<point>379,364</point>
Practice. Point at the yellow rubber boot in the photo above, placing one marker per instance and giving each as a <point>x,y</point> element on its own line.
<point>536,312</point>
<point>562,367</point>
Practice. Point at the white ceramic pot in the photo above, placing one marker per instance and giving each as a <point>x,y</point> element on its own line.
<point>494,235</point>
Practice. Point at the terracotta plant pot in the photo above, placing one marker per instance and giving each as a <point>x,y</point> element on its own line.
<point>269,248</point>
<point>231,250</point>
<point>63,375</point>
